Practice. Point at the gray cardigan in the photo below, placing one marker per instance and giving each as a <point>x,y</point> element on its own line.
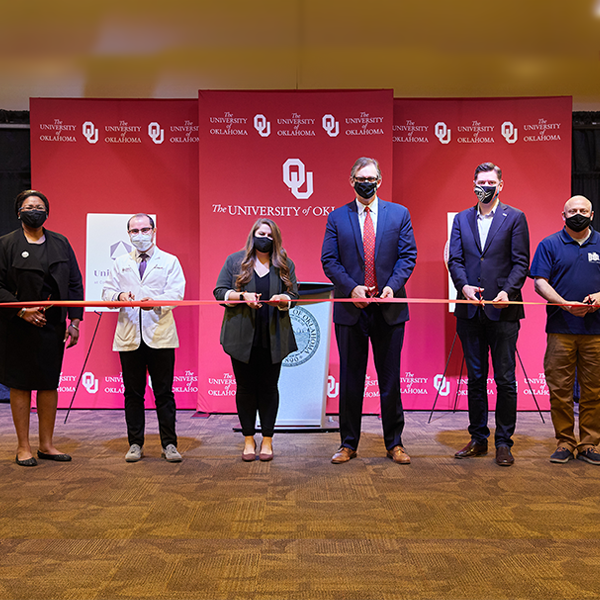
<point>237,331</point>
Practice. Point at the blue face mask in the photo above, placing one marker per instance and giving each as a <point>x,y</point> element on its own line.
<point>485,193</point>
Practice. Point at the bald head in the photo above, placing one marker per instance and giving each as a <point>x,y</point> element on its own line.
<point>578,204</point>
<point>577,216</point>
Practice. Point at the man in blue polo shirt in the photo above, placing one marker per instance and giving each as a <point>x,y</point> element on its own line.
<point>566,269</point>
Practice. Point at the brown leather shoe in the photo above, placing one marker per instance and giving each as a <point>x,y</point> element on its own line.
<point>504,456</point>
<point>398,455</point>
<point>473,448</point>
<point>343,455</point>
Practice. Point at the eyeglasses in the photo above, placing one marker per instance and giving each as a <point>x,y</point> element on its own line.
<point>144,230</point>
<point>365,179</point>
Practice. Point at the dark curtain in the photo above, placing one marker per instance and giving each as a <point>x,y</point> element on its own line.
<point>15,173</point>
<point>585,169</point>
<point>15,164</point>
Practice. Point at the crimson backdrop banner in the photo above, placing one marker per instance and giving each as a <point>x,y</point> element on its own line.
<point>437,145</point>
<point>285,155</point>
<point>121,157</point>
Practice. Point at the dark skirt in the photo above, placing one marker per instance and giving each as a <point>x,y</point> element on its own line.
<point>31,357</point>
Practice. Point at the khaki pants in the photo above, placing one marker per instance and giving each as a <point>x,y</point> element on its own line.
<point>564,352</point>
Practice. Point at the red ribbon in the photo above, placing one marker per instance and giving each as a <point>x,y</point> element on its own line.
<point>155,303</point>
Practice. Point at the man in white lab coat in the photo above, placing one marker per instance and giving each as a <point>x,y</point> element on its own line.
<point>146,338</point>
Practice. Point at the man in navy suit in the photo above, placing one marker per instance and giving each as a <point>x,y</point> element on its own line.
<point>489,261</point>
<point>369,251</point>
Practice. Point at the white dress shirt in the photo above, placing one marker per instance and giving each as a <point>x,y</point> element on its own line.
<point>484,222</point>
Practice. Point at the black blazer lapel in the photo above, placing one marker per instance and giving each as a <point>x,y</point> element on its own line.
<point>472,219</point>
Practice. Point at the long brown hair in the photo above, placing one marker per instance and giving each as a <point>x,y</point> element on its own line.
<point>279,257</point>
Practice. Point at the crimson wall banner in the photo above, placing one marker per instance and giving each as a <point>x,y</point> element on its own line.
<point>285,155</point>
<point>107,159</point>
<point>437,146</point>
<point>209,168</point>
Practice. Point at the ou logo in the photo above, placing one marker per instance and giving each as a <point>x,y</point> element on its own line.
<point>90,383</point>
<point>442,385</point>
<point>262,125</point>
<point>509,132</point>
<point>333,387</point>
<point>442,132</point>
<point>90,132</point>
<point>295,178</point>
<point>156,133</point>
<point>330,125</point>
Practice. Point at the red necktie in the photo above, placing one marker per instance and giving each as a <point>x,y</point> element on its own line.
<point>369,247</point>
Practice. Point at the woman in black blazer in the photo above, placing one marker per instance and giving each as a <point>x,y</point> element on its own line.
<point>257,333</point>
<point>36,264</point>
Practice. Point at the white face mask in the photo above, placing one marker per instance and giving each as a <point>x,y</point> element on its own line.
<point>142,241</point>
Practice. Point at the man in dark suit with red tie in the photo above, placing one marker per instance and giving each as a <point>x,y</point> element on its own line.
<point>369,251</point>
<point>489,260</point>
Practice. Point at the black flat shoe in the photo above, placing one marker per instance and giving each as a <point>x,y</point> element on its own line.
<point>57,457</point>
<point>28,462</point>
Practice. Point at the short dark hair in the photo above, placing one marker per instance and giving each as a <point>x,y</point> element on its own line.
<point>141,215</point>
<point>27,194</point>
<point>486,167</point>
<point>364,161</point>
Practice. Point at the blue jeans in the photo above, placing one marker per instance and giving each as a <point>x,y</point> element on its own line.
<point>480,336</point>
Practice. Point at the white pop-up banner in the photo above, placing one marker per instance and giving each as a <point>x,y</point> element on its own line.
<point>106,239</point>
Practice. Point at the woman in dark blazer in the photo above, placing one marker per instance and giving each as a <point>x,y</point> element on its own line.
<point>36,264</point>
<point>257,333</point>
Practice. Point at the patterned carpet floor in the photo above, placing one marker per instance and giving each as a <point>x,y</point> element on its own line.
<point>214,527</point>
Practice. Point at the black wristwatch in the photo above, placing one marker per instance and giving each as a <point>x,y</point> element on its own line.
<point>242,297</point>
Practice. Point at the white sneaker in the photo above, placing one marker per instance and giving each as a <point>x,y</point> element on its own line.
<point>134,454</point>
<point>170,454</point>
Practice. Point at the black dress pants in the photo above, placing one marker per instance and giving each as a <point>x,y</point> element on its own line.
<point>160,365</point>
<point>353,346</point>
<point>481,336</point>
<point>257,391</point>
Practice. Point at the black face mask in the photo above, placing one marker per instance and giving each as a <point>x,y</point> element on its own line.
<point>263,244</point>
<point>578,222</point>
<point>485,193</point>
<point>33,218</point>
<point>365,189</point>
